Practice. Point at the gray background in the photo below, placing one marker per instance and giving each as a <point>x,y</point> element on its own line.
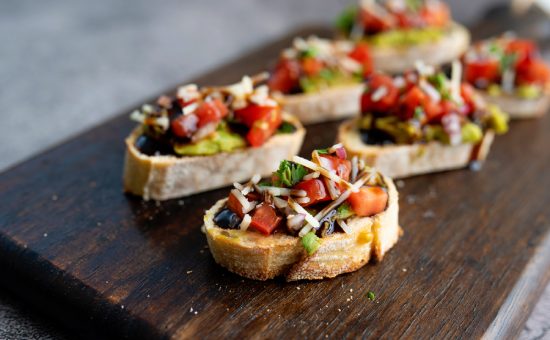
<point>69,65</point>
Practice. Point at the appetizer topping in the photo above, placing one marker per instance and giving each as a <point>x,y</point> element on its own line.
<point>507,64</point>
<point>206,121</point>
<point>395,22</point>
<point>423,106</point>
<point>310,199</point>
<point>315,64</point>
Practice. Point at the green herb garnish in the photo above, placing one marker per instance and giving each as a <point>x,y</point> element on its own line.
<point>346,19</point>
<point>371,296</point>
<point>311,242</point>
<point>310,53</point>
<point>286,127</point>
<point>418,113</point>
<point>289,173</point>
<point>322,151</point>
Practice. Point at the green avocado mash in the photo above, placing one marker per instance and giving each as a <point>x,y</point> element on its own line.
<point>497,119</point>
<point>529,91</point>
<point>326,78</point>
<point>223,140</point>
<point>398,38</point>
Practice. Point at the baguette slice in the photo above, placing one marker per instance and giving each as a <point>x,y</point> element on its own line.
<point>166,177</point>
<point>519,108</point>
<point>330,104</point>
<point>399,59</point>
<point>400,161</point>
<point>260,257</point>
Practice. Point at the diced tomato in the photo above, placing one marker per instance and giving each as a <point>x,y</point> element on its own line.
<point>211,111</point>
<point>234,205</point>
<point>487,70</point>
<point>467,92</point>
<point>379,105</point>
<point>316,191</point>
<point>342,167</point>
<point>435,14</point>
<point>374,23</point>
<point>533,72</point>
<point>265,219</point>
<point>408,20</point>
<point>368,201</point>
<point>285,77</point>
<point>263,121</point>
<point>185,126</point>
<point>312,66</point>
<point>416,98</point>
<point>361,54</point>
<point>524,49</point>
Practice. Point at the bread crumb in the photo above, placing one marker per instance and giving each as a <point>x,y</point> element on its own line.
<point>191,310</point>
<point>54,197</point>
<point>298,288</point>
<point>180,202</point>
<point>45,234</point>
<point>148,296</point>
<point>122,306</point>
<point>351,290</point>
<point>339,310</point>
<point>196,312</point>
<point>189,271</point>
<point>404,269</point>
<point>400,183</point>
<point>411,199</point>
<point>98,224</point>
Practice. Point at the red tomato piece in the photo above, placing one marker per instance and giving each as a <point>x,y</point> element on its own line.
<point>253,113</point>
<point>211,111</point>
<point>312,66</point>
<point>286,76</point>
<point>468,93</point>
<point>315,189</point>
<point>374,23</point>
<point>264,127</point>
<point>265,219</point>
<point>185,126</point>
<point>361,54</point>
<point>533,72</point>
<point>487,70</point>
<point>368,201</point>
<point>435,14</point>
<point>234,205</point>
<point>342,167</point>
<point>524,49</point>
<point>379,105</point>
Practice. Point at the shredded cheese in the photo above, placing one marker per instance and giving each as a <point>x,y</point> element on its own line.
<point>247,206</point>
<point>312,221</point>
<point>344,226</point>
<point>456,75</point>
<point>321,170</point>
<point>379,93</point>
<point>245,222</point>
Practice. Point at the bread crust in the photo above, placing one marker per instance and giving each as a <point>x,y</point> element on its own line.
<point>260,257</point>
<point>166,177</point>
<point>330,104</point>
<point>400,161</point>
<point>399,59</point>
<point>519,108</point>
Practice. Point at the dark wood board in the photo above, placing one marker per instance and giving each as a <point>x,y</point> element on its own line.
<point>474,258</point>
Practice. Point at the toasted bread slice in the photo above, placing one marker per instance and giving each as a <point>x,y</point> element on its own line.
<point>330,104</point>
<point>165,177</point>
<point>400,161</point>
<point>399,59</point>
<point>519,108</point>
<point>260,257</point>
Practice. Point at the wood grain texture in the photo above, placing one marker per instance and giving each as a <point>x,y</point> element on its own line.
<point>101,261</point>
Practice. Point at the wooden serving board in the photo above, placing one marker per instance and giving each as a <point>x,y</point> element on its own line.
<point>474,258</point>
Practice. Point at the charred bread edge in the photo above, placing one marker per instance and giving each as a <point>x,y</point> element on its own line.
<point>260,257</point>
<point>330,104</point>
<point>166,177</point>
<point>400,161</point>
<point>399,59</point>
<point>519,108</point>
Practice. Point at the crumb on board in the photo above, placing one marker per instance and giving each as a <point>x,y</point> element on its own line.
<point>404,269</point>
<point>400,184</point>
<point>54,197</point>
<point>180,202</point>
<point>428,214</point>
<point>411,199</point>
<point>45,234</point>
<point>189,271</point>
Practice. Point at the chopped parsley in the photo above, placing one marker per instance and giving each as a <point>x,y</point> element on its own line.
<point>289,173</point>
<point>371,296</point>
<point>346,19</point>
<point>286,127</point>
<point>322,151</point>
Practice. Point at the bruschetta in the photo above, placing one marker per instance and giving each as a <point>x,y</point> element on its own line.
<point>400,32</point>
<point>509,72</point>
<point>313,219</point>
<point>320,80</point>
<point>206,138</point>
<point>421,122</point>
